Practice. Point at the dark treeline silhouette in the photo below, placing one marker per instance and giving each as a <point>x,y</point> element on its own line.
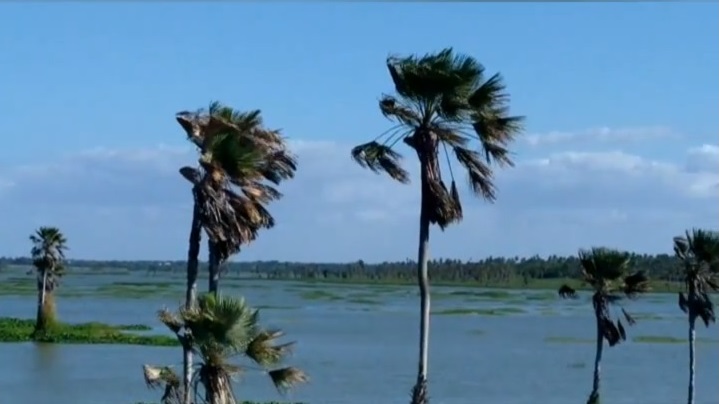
<point>663,267</point>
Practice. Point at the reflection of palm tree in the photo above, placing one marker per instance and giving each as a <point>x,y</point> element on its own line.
<point>442,101</point>
<point>699,254</point>
<point>607,272</point>
<point>217,329</point>
<point>48,254</point>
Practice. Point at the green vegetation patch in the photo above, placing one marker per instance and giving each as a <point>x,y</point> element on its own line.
<point>658,339</point>
<point>274,307</point>
<point>14,286</point>
<point>569,340</point>
<point>135,290</point>
<point>319,295</point>
<point>21,330</point>
<point>647,316</point>
<point>499,311</point>
<point>361,300</point>
<point>484,294</point>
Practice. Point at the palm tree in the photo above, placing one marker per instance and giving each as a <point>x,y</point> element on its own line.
<point>239,162</point>
<point>217,329</point>
<point>442,101</point>
<point>48,254</point>
<point>607,272</point>
<point>698,251</point>
<point>236,154</point>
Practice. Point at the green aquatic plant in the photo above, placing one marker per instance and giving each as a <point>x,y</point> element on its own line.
<point>23,330</point>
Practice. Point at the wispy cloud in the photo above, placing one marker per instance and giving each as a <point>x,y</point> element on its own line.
<point>133,204</point>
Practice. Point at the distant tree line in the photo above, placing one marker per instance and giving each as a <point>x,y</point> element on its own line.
<point>662,267</point>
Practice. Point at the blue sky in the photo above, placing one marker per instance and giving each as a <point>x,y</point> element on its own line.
<point>620,149</point>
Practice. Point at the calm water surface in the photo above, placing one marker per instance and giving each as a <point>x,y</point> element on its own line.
<point>360,347</point>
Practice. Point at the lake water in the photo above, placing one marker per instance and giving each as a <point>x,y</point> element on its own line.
<point>359,346</point>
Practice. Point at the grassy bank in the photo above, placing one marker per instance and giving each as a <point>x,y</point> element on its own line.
<point>21,330</point>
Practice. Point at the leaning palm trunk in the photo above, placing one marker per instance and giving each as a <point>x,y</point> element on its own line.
<point>213,267</point>
<point>419,392</point>
<point>193,253</point>
<point>599,308</point>
<point>594,396</point>
<point>692,342</point>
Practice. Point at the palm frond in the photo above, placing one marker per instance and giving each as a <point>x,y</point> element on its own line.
<point>604,264</point>
<point>286,378</point>
<point>378,158</point>
<point>264,352</point>
<point>479,174</point>
<point>636,283</point>
<point>171,320</point>
<point>157,377</point>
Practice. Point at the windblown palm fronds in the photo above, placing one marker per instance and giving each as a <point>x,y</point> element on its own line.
<point>444,101</point>
<point>240,162</point>
<point>219,328</point>
<point>698,252</point>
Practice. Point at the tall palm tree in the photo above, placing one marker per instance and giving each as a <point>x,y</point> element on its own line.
<point>698,251</point>
<point>607,272</point>
<point>48,255</point>
<point>442,101</point>
<point>236,156</point>
<point>239,163</point>
<point>219,328</point>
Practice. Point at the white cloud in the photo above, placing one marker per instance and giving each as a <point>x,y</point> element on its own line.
<point>603,134</point>
<point>134,204</point>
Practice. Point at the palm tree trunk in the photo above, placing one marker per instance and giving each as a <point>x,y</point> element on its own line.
<point>213,267</point>
<point>692,343</point>
<point>594,396</point>
<point>193,253</point>
<point>419,392</point>
<point>40,321</point>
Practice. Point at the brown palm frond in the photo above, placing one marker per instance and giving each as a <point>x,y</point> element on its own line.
<point>636,283</point>
<point>156,377</point>
<point>394,108</point>
<point>193,175</point>
<point>480,174</point>
<point>286,378</point>
<point>263,352</point>
<point>622,331</point>
<point>170,319</point>
<point>628,317</point>
<point>450,137</point>
<point>378,157</point>
<point>444,209</point>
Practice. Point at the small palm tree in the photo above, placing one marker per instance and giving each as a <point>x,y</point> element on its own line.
<point>442,101</point>
<point>608,273</point>
<point>217,329</point>
<point>698,251</point>
<point>48,255</point>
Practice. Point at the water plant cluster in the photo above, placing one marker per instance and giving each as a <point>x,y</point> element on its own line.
<point>454,117</point>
